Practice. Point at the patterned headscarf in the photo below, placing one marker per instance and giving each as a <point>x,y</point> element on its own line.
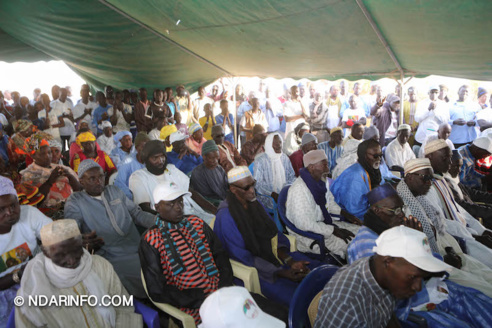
<point>34,143</point>
<point>84,137</point>
<point>22,125</point>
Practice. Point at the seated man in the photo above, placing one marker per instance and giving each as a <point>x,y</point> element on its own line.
<point>19,227</point>
<point>253,147</point>
<point>66,268</point>
<point>112,217</point>
<point>356,133</point>
<point>443,133</point>
<point>124,148</point>
<point>56,182</point>
<point>229,157</point>
<point>251,237</point>
<point>209,178</point>
<point>306,208</point>
<point>398,151</point>
<point>479,149</point>
<point>134,163</point>
<point>364,294</point>
<point>182,260</point>
<point>106,139</point>
<point>182,156</point>
<point>158,171</point>
<point>333,148</point>
<point>272,170</point>
<point>87,144</point>
<point>351,187</point>
<point>308,143</point>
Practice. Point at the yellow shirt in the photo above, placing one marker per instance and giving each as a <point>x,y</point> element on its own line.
<point>206,134</point>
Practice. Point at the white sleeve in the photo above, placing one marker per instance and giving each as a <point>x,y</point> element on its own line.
<point>242,122</point>
<point>390,155</point>
<point>137,187</point>
<point>36,219</point>
<point>423,111</point>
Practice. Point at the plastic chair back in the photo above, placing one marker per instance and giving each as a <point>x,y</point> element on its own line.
<point>305,292</point>
<point>11,319</point>
<point>149,315</point>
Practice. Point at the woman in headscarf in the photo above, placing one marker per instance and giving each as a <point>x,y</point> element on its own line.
<point>166,132</point>
<point>294,138</point>
<point>87,143</point>
<point>196,139</point>
<point>272,170</point>
<point>23,130</point>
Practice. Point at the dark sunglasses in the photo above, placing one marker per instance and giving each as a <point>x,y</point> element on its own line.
<point>247,187</point>
<point>425,177</point>
<point>376,156</point>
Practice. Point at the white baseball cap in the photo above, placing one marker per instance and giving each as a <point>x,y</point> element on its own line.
<point>434,87</point>
<point>484,143</point>
<point>410,244</point>
<point>177,136</point>
<point>234,307</point>
<point>168,191</point>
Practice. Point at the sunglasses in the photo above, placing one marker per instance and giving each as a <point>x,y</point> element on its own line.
<point>395,211</point>
<point>425,177</point>
<point>376,156</point>
<point>247,187</point>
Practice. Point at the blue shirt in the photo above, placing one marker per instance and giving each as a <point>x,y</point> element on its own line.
<point>118,156</point>
<point>171,107</point>
<point>331,153</point>
<point>186,164</point>
<point>219,119</point>
<point>463,133</point>
<point>97,115</point>
<point>125,171</point>
<point>362,244</point>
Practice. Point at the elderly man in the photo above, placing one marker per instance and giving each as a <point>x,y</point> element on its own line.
<point>132,164</point>
<point>479,149</point>
<point>254,146</point>
<point>364,294</point>
<point>229,156</point>
<point>459,222</point>
<point>387,118</point>
<point>443,133</point>
<point>251,237</point>
<point>19,229</point>
<point>398,152</point>
<point>66,268</point>
<point>351,187</point>
<point>106,139</point>
<point>209,178</point>
<point>306,207</point>
<point>112,216</point>
<point>182,259</point>
<point>158,171</point>
<point>182,156</point>
<point>272,170</point>
<point>333,147</point>
<point>124,148</point>
<point>308,143</point>
<point>87,143</point>
<point>462,117</point>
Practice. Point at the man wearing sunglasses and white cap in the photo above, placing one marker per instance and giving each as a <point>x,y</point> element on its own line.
<point>364,294</point>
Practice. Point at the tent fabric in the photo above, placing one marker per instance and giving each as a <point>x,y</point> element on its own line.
<point>155,43</point>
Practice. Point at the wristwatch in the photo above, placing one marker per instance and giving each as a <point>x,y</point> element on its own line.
<point>15,277</point>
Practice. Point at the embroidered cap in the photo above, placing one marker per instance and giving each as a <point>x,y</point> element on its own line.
<point>417,164</point>
<point>404,127</point>
<point>106,124</point>
<point>313,157</point>
<point>86,165</point>
<point>434,146</point>
<point>58,231</point>
<point>238,173</point>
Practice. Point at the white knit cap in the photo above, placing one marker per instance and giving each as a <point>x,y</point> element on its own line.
<point>58,231</point>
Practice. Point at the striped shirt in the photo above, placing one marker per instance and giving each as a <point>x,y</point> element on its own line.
<point>353,298</point>
<point>468,175</point>
<point>361,246</point>
<point>332,153</point>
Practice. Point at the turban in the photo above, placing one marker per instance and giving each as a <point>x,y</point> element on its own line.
<point>106,124</point>
<point>435,145</point>
<point>86,165</point>
<point>22,125</point>
<point>404,127</point>
<point>84,137</point>
<point>313,157</point>
<point>141,138</point>
<point>370,132</point>
<point>238,173</point>
<point>307,138</point>
<point>167,130</point>
<point>120,135</point>
<point>417,164</point>
<point>7,187</point>
<point>193,128</point>
<point>153,147</point>
<point>58,231</point>
<point>380,193</point>
<point>217,129</point>
<point>208,147</point>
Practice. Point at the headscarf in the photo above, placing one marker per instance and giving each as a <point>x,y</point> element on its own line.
<point>167,130</point>
<point>84,137</point>
<point>348,157</point>
<point>117,138</point>
<point>34,143</point>
<point>193,128</point>
<point>151,148</point>
<point>54,143</point>
<point>22,125</point>
<point>374,174</point>
<point>7,187</point>
<point>298,129</point>
<point>278,169</point>
<point>370,132</point>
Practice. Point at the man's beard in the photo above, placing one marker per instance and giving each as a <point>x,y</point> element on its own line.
<point>156,170</point>
<point>376,165</point>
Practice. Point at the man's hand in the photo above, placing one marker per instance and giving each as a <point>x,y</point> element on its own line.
<point>92,242</point>
<point>88,111</point>
<point>295,275</point>
<point>380,102</point>
<point>471,123</point>
<point>459,121</point>
<point>484,240</point>
<point>432,105</point>
<point>343,234</point>
<point>350,218</point>
<point>487,233</point>
<point>452,258</point>
<point>104,116</point>
<point>412,223</point>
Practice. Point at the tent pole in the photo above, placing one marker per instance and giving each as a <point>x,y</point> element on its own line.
<point>402,84</point>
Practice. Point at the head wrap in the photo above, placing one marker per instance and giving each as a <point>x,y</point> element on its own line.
<point>58,231</point>
<point>417,164</point>
<point>300,127</point>
<point>7,187</point>
<point>370,132</point>
<point>85,165</point>
<point>456,155</point>
<point>481,92</point>
<point>151,148</point>
<point>34,143</point>
<point>106,124</point>
<point>374,174</point>
<point>484,143</point>
<point>435,145</point>
<point>54,143</point>
<point>392,98</point>
<point>193,128</point>
<point>217,129</point>
<point>313,157</point>
<point>208,147</point>
<point>404,127</point>
<point>278,169</point>
<point>307,138</point>
<point>84,137</point>
<point>140,138</point>
<point>167,130</point>
<point>22,125</point>
<point>238,173</point>
<point>120,135</point>
<point>381,192</point>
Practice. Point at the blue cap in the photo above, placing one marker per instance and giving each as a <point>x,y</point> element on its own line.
<point>384,191</point>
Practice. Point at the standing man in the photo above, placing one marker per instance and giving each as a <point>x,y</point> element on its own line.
<point>144,121</point>
<point>387,118</point>
<point>318,116</point>
<point>63,106</point>
<point>294,111</point>
<point>409,111</point>
<point>84,108</point>
<point>185,105</point>
<point>100,113</point>
<point>462,117</point>
<point>226,119</point>
<point>334,105</point>
<point>430,114</point>
<point>251,118</point>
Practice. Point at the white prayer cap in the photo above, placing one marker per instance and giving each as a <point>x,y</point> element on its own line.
<point>484,142</point>
<point>7,187</point>
<point>435,145</point>
<point>234,307</point>
<point>404,127</point>
<point>313,157</point>
<point>58,231</point>
<point>410,244</point>
<point>106,124</point>
<point>177,136</point>
<point>168,191</point>
<point>238,173</point>
<point>417,164</point>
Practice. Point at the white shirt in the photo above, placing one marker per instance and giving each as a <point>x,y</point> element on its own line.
<point>53,116</point>
<point>485,114</point>
<point>64,108</point>
<point>430,138</point>
<point>292,108</point>
<point>21,240</point>
<point>398,155</point>
<point>3,120</point>
<point>155,134</point>
<point>78,110</point>
<point>353,114</point>
<point>429,120</point>
<point>121,124</point>
<point>106,144</point>
<point>391,132</point>
<point>258,118</point>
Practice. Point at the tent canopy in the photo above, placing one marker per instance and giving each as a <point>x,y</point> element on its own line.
<point>156,43</point>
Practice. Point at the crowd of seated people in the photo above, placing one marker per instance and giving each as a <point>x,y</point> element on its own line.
<point>160,198</point>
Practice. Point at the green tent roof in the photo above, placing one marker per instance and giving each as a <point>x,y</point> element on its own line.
<point>152,43</point>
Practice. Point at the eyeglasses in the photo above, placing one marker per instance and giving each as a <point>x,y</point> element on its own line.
<point>395,211</point>
<point>376,156</point>
<point>247,187</point>
<point>425,177</point>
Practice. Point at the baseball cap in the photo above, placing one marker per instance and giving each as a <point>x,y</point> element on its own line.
<point>434,87</point>
<point>410,244</point>
<point>234,307</point>
<point>177,136</point>
<point>484,142</point>
<point>168,191</point>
